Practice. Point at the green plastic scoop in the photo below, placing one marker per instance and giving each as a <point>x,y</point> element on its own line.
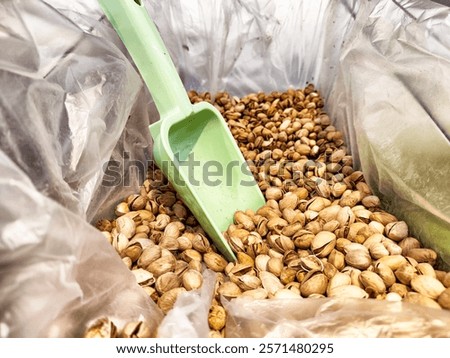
<point>192,143</point>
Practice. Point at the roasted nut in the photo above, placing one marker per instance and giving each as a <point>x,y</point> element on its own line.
<point>217,317</point>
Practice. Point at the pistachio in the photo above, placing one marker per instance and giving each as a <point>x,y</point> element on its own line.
<point>246,221</point>
<point>405,273</point>
<point>192,279</point>
<point>285,293</point>
<point>348,291</point>
<point>393,261</point>
<point>399,288</point>
<point>229,290</point>
<point>378,250</point>
<point>102,328</point>
<point>323,243</point>
<point>270,282</point>
<point>427,286</point>
<point>386,274</point>
<point>143,277</point>
<point>444,298</point>
<point>136,330</point>
<point>248,282</point>
<point>256,294</point>
<point>340,279</point>
<point>217,317</point>
<point>167,281</point>
<point>315,283</point>
<point>396,231</point>
<point>168,299</point>
<point>423,255</point>
<point>408,243</point>
<point>373,284</point>
<point>425,269</point>
<point>162,265</point>
<point>359,259</point>
<point>393,297</point>
<point>287,275</point>
<point>275,265</point>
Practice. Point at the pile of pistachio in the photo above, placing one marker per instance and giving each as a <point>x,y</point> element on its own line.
<point>321,233</point>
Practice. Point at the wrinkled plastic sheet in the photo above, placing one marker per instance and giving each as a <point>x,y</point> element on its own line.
<point>381,66</point>
<point>66,108</point>
<point>330,317</point>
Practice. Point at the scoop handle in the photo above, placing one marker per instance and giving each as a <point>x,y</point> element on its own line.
<point>145,45</point>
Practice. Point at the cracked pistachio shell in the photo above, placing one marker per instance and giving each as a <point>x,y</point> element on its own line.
<point>427,286</point>
<point>136,330</point>
<point>314,283</point>
<point>270,282</point>
<point>102,328</point>
<point>423,255</point>
<point>168,299</point>
<point>166,282</point>
<point>396,231</point>
<point>359,259</point>
<point>323,243</point>
<point>229,290</point>
<point>405,273</point>
<point>372,283</point>
<point>162,265</point>
<point>192,279</point>
<point>143,277</point>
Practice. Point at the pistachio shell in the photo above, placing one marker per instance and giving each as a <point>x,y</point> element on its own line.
<point>405,273</point>
<point>359,259</point>
<point>386,274</point>
<point>444,299</point>
<point>427,286</point>
<point>166,282</point>
<point>423,255</point>
<point>217,317</point>
<point>323,243</point>
<point>315,283</point>
<point>396,231</point>
<point>393,261</point>
<point>373,284</point>
<point>168,299</point>
<point>229,290</point>
<point>192,279</point>
<point>270,282</point>
<point>348,291</point>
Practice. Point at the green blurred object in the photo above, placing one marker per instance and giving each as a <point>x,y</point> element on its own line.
<point>192,143</point>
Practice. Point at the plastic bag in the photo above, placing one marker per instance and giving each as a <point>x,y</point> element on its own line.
<point>343,318</point>
<point>64,109</point>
